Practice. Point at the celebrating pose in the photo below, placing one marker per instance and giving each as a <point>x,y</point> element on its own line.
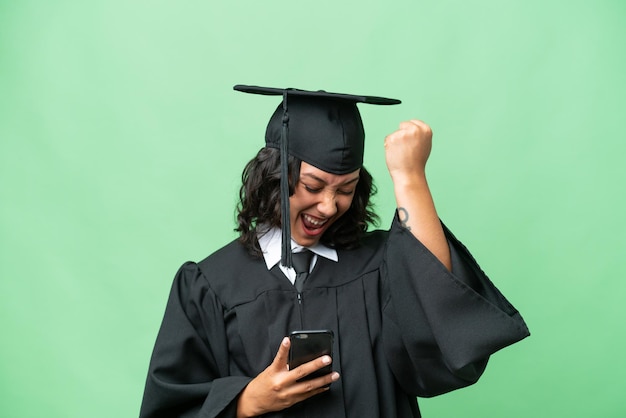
<point>411,312</point>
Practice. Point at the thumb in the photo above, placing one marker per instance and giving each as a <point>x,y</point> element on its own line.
<point>282,356</point>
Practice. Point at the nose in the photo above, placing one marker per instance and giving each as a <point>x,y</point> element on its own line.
<point>327,206</point>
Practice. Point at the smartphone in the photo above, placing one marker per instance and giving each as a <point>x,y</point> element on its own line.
<point>309,345</point>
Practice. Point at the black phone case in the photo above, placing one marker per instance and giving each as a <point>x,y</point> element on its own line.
<point>309,345</point>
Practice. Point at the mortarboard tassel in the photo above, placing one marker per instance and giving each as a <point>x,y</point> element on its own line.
<point>284,188</point>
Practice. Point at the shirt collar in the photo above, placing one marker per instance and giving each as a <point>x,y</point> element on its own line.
<point>270,243</point>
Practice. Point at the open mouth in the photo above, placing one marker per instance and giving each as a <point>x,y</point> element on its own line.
<point>312,224</point>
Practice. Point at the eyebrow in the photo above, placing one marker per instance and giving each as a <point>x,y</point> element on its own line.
<point>314,177</point>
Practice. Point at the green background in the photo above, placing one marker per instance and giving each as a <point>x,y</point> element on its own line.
<point>122,144</point>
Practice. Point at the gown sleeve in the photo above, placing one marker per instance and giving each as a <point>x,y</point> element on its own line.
<point>188,373</point>
<point>440,327</point>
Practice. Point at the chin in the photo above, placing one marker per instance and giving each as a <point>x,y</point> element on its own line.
<point>306,242</point>
<point>304,239</point>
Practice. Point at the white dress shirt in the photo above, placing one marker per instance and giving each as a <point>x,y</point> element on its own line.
<point>270,243</point>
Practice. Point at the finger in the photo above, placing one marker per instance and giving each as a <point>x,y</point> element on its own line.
<point>394,136</point>
<point>282,355</point>
<point>307,368</point>
<point>326,380</point>
<point>408,125</point>
<point>415,124</point>
<point>311,387</point>
<point>422,126</point>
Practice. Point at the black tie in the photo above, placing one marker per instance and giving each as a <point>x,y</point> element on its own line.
<point>301,263</point>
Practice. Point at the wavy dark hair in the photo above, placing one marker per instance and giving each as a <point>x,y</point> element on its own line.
<point>259,203</point>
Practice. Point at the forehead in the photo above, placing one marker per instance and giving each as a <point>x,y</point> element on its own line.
<point>311,172</point>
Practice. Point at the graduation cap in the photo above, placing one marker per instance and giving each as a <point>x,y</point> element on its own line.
<point>320,128</point>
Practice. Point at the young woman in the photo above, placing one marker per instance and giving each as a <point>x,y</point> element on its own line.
<point>411,311</point>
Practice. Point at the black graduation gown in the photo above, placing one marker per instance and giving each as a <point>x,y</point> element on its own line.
<point>404,327</point>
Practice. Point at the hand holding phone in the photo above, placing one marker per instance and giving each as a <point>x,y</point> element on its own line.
<point>309,345</point>
<point>277,388</point>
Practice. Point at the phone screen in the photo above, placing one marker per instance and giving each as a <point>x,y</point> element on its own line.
<point>309,345</point>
